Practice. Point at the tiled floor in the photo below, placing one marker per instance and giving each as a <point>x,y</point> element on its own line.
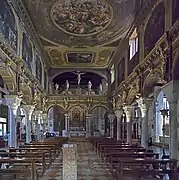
<point>89,165</point>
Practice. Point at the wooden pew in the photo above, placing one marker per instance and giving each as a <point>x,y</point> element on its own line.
<point>41,146</point>
<point>113,156</point>
<point>31,163</point>
<point>138,168</point>
<point>40,156</point>
<point>39,150</point>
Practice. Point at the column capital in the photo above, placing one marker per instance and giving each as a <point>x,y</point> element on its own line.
<point>28,108</point>
<point>144,104</point>
<point>66,115</point>
<point>44,116</point>
<point>119,113</point>
<point>128,111</point>
<point>111,116</point>
<point>13,101</point>
<point>38,113</point>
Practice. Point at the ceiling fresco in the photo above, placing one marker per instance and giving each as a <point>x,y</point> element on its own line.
<point>71,57</point>
<point>80,24</point>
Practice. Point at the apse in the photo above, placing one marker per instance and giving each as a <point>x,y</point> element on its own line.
<point>72,78</point>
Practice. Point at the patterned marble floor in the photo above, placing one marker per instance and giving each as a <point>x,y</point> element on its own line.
<point>89,165</point>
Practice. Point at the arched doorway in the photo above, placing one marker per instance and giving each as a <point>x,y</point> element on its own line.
<point>99,120</point>
<point>161,104</point>
<point>56,119</point>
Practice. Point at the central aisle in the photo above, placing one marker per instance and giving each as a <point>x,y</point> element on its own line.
<point>89,165</point>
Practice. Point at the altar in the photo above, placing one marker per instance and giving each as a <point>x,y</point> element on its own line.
<point>77,131</point>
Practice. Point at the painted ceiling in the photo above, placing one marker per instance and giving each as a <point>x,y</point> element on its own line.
<point>82,33</point>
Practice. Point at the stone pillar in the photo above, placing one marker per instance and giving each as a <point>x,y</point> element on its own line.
<point>144,105</point>
<point>88,125</point>
<point>29,110</point>
<point>13,102</point>
<point>171,90</point>
<point>111,120</point>
<point>69,162</point>
<point>67,122</point>
<point>45,122</point>
<point>119,114</point>
<point>128,111</point>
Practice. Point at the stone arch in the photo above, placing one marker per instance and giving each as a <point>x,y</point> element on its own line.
<point>64,71</point>
<point>56,118</point>
<point>150,81</point>
<point>82,106</point>
<point>98,119</point>
<point>100,105</point>
<point>52,105</point>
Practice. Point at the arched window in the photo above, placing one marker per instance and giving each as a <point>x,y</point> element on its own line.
<point>133,44</point>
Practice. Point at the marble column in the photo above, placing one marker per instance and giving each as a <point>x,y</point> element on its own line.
<point>13,102</point>
<point>144,105</point>
<point>45,122</point>
<point>88,125</point>
<point>67,122</point>
<point>111,120</point>
<point>28,122</point>
<point>128,111</point>
<point>119,114</point>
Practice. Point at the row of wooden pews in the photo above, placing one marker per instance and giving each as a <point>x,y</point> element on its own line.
<point>125,161</point>
<point>30,161</point>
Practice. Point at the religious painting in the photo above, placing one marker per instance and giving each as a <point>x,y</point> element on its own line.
<point>155,24</point>
<point>8,26</point>
<point>81,18</point>
<point>80,57</point>
<point>27,51</point>
<point>38,69</point>
<point>175,11</point>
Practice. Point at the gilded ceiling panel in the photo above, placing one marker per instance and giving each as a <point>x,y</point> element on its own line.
<point>81,22</point>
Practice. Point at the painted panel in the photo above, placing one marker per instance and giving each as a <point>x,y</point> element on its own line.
<point>8,26</point>
<point>155,24</point>
<point>38,69</point>
<point>79,57</point>
<point>175,11</point>
<point>27,51</point>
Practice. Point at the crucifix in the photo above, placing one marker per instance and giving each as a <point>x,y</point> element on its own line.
<point>78,73</point>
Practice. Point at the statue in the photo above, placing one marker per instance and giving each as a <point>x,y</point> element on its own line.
<point>56,87</point>
<point>67,85</point>
<point>51,88</point>
<point>100,88</point>
<point>78,76</point>
<point>89,86</point>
